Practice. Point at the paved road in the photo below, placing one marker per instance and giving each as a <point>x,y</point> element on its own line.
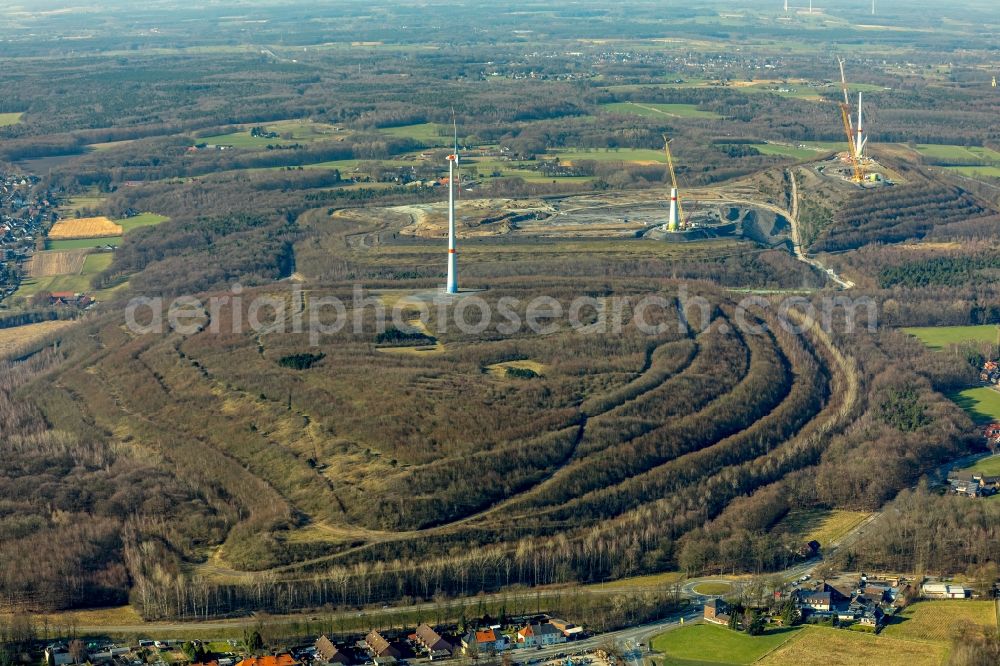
<point>636,637</point>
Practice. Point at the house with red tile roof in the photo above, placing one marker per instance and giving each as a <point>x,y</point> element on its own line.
<point>488,641</point>
<point>270,660</point>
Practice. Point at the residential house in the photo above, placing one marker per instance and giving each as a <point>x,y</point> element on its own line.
<point>57,655</point>
<point>569,629</point>
<point>330,653</point>
<point>873,617</point>
<point>716,611</point>
<point>378,646</point>
<point>944,591</point>
<point>858,607</point>
<point>70,298</point>
<point>284,659</point>
<point>431,642</point>
<point>847,603</point>
<point>809,549</point>
<point>972,483</point>
<point>878,592</point>
<point>540,634</point>
<point>816,601</point>
<point>105,655</point>
<point>488,641</point>
<point>992,433</point>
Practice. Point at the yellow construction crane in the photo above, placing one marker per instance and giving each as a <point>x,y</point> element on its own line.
<point>845,111</point>
<point>859,171</point>
<point>673,181</point>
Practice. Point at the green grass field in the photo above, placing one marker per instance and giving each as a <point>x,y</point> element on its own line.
<point>941,337</point>
<point>109,145</point>
<point>611,155</point>
<point>651,580</point>
<point>937,621</point>
<point>794,152</point>
<point>826,145</point>
<point>77,282</point>
<point>982,403</point>
<point>95,263</point>
<point>797,91</point>
<point>803,90</point>
<point>651,110</point>
<point>698,644</point>
<point>713,589</point>
<point>91,201</point>
<point>345,166</point>
<point>837,647</point>
<point>288,131</point>
<point>824,525</point>
<point>951,152</point>
<point>141,220</point>
<point>484,167</point>
<point>240,139</point>
<point>10,119</point>
<point>82,243</point>
<point>977,171</point>
<point>431,134</point>
<point>989,466</point>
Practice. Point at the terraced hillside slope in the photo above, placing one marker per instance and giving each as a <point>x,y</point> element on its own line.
<point>284,472</point>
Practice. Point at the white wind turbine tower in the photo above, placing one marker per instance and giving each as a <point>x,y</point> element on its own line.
<point>862,140</point>
<point>452,285</point>
<point>873,7</point>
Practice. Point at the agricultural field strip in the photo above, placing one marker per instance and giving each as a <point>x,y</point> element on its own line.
<point>84,227</point>
<point>677,110</point>
<point>936,621</point>
<point>57,262</point>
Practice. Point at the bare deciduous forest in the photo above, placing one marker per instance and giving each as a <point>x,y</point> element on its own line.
<point>208,473</point>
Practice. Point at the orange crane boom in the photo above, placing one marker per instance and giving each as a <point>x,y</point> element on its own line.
<point>845,111</point>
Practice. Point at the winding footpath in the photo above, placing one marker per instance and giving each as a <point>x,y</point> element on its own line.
<point>800,254</point>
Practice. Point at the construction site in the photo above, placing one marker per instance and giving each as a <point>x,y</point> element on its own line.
<point>762,208</point>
